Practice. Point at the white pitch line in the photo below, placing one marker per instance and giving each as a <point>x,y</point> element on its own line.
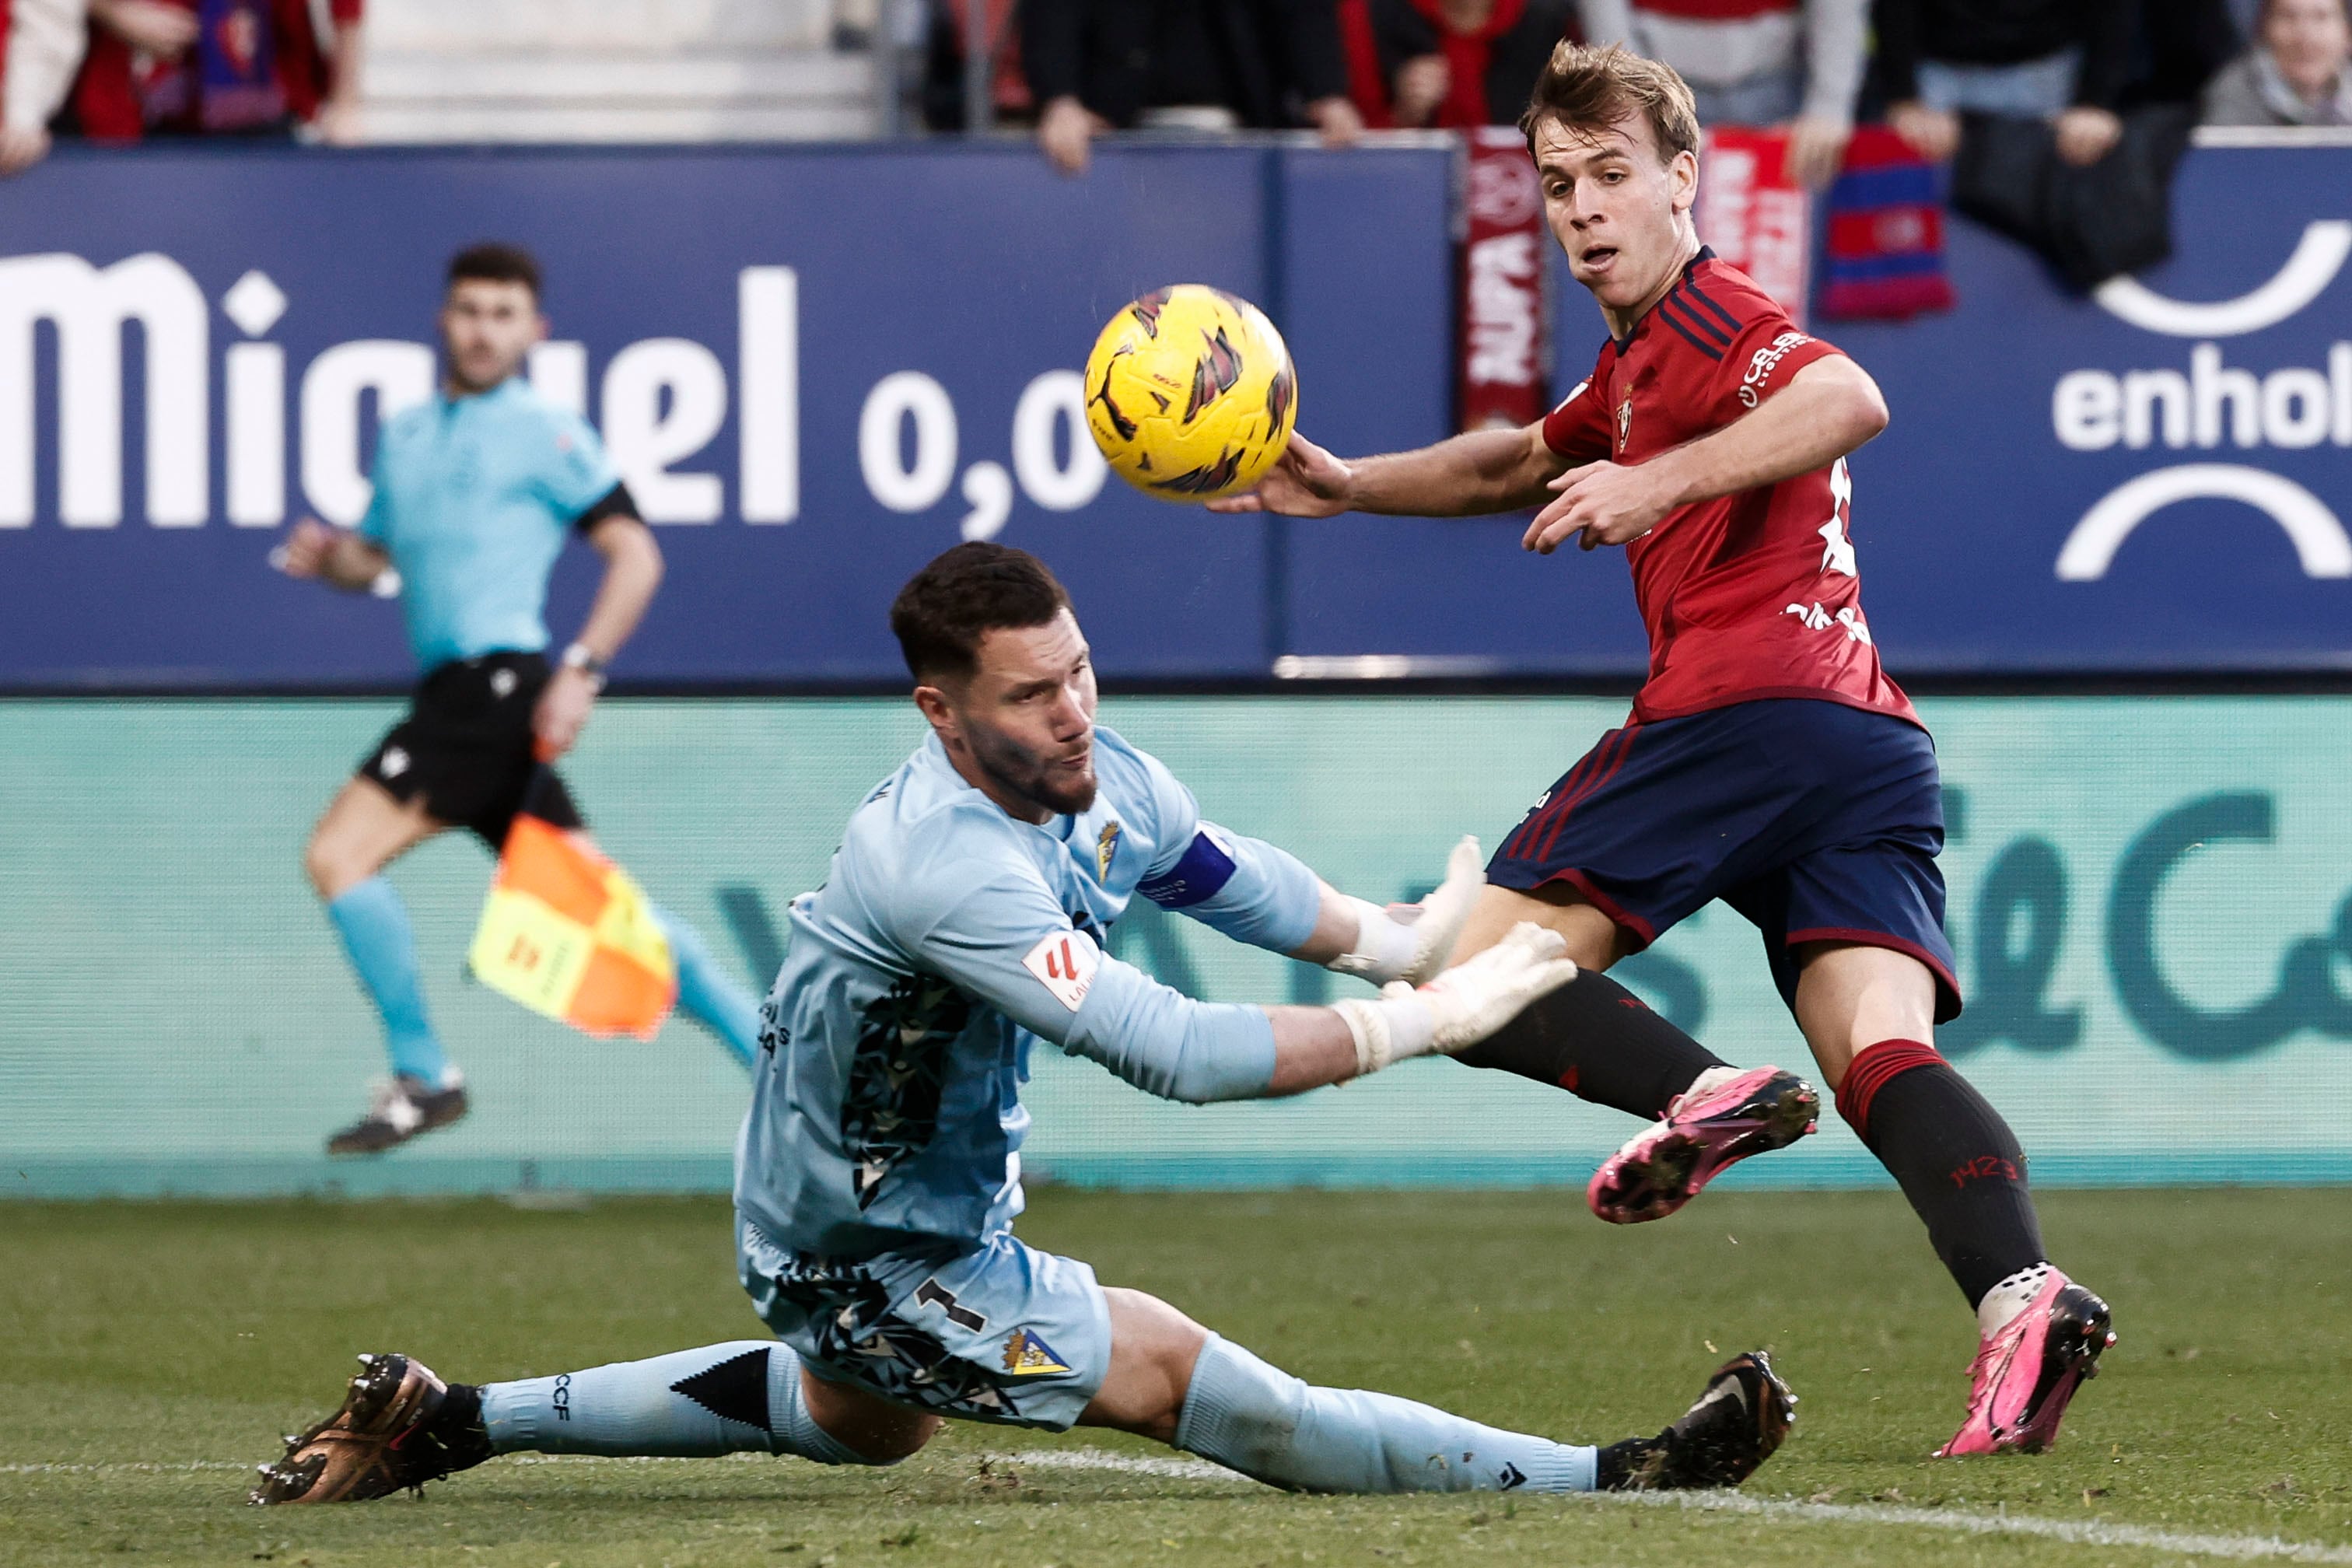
<point>2077,1532</point>
<point>2080,1532</point>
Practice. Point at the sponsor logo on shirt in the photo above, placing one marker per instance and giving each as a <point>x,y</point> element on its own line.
<point>1066,963</point>
<point>1764,362</point>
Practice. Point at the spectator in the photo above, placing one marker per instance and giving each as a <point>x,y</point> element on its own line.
<point>1198,65</point>
<point>1451,64</point>
<point>218,66</point>
<point>40,46</point>
<point>2062,60</point>
<point>1792,63</point>
<point>2295,74</point>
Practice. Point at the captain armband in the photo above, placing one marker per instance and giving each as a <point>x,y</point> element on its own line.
<point>1198,875</point>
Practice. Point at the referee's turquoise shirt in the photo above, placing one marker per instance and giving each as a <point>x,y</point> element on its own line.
<point>474,498</point>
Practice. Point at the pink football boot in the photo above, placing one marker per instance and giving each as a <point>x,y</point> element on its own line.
<point>2027,1370</point>
<point>1726,1115</point>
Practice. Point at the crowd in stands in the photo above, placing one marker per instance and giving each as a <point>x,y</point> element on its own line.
<point>126,71</point>
<point>119,71</point>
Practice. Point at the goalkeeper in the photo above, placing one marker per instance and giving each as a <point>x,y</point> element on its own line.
<point>878,1171</point>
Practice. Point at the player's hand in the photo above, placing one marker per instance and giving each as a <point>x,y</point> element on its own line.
<point>1482,993</point>
<point>563,711</point>
<point>1305,481</point>
<point>2085,135</point>
<point>1461,1006</point>
<point>1437,920</point>
<point>307,548</point>
<point>1932,133</point>
<point>1413,942</point>
<point>1816,149</point>
<point>1600,503</point>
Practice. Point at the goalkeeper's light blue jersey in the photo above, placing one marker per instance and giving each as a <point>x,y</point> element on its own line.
<point>886,1111</point>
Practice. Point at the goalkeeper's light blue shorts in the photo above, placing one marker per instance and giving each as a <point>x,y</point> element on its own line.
<point>1000,1332</point>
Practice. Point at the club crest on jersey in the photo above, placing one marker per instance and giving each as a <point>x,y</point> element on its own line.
<point>1026,1355</point>
<point>1106,847</point>
<point>1624,424</point>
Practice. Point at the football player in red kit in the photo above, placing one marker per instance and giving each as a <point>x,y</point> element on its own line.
<point>1769,761</point>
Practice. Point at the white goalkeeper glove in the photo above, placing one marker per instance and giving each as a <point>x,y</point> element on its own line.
<point>1389,948</point>
<point>1463,1006</point>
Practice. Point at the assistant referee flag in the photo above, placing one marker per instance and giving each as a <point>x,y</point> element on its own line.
<point>568,933</point>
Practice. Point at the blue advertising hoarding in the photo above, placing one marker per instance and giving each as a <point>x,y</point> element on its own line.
<point>820,366</point>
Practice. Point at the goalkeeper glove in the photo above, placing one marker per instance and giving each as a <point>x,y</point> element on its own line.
<point>1463,1006</point>
<point>1388,949</point>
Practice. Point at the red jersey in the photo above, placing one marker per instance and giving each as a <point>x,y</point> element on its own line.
<point>1748,596</point>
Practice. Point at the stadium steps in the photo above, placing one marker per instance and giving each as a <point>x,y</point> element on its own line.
<point>797,96</point>
<point>614,71</point>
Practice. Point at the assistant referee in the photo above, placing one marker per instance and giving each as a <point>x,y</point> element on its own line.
<point>476,493</point>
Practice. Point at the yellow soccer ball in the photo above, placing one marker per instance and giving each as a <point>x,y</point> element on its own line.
<point>1191,394</point>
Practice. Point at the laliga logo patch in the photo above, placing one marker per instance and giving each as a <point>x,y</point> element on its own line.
<point>1105,848</point>
<point>1026,1355</point>
<point>1065,961</point>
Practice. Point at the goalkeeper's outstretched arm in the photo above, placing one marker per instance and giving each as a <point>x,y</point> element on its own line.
<point>1254,892</point>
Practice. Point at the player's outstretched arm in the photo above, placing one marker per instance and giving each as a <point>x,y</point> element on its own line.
<point>1411,942</point>
<point>1829,408</point>
<point>1466,476</point>
<point>988,924</point>
<point>1171,1046</point>
<point>1258,893</point>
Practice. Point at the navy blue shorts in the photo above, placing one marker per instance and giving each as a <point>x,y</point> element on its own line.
<point>1817,821</point>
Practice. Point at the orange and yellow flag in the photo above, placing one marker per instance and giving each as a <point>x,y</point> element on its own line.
<point>568,933</point>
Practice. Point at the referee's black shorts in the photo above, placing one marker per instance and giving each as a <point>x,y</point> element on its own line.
<point>465,747</point>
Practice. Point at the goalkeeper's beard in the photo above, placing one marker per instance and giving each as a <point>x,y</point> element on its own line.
<point>1027,776</point>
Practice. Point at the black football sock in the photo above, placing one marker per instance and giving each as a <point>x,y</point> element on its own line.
<point>1954,1157</point>
<point>1599,1042</point>
<point>455,1432</point>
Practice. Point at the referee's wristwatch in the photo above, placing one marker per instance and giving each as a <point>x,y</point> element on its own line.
<point>582,658</point>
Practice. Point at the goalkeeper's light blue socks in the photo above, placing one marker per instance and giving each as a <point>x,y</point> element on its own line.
<point>1242,1413</point>
<point>1264,1423</point>
<point>381,945</point>
<point>706,992</point>
<point>721,1399</point>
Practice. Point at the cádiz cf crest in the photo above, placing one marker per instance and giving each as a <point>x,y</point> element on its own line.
<point>1026,1355</point>
<point>1105,848</point>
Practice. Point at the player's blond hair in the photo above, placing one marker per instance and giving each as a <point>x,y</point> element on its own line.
<point>1587,90</point>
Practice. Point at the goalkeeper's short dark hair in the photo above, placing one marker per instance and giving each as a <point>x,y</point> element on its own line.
<point>944,611</point>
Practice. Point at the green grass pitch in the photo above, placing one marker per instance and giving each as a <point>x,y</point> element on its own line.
<point>150,1353</point>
